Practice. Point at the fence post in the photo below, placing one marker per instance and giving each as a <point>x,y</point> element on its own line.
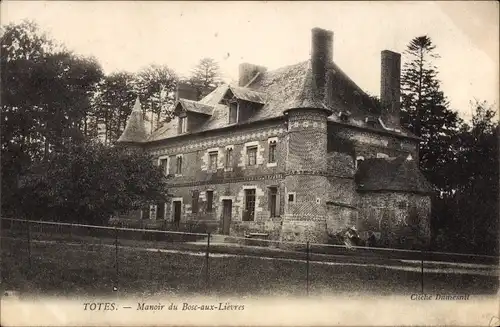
<point>307,268</point>
<point>207,261</point>
<point>116,257</point>
<point>422,269</point>
<point>29,244</point>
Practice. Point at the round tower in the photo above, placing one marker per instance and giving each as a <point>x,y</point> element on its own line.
<point>306,181</point>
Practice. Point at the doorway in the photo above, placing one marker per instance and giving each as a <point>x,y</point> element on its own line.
<point>177,212</point>
<point>227,208</point>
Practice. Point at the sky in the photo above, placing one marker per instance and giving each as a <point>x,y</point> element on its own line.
<point>134,34</point>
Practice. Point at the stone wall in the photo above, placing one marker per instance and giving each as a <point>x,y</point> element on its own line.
<point>227,181</point>
<point>398,219</point>
<point>369,144</point>
<point>263,222</point>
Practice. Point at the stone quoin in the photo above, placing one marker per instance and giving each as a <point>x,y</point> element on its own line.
<point>294,154</point>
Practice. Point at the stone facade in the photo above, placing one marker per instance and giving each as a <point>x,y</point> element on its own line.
<point>279,157</point>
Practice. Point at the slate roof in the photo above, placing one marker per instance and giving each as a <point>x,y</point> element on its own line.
<point>194,106</point>
<point>285,88</point>
<point>135,130</point>
<point>398,174</point>
<point>246,94</point>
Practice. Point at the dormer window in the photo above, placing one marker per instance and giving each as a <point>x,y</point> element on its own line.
<point>344,116</point>
<point>182,125</point>
<point>371,122</point>
<point>233,112</point>
<point>359,160</point>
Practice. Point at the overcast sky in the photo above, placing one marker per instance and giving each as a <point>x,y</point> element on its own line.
<point>131,35</point>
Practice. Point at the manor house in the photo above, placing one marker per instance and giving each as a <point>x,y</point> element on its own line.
<point>296,153</point>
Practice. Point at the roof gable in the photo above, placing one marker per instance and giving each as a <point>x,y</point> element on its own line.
<point>242,93</point>
<point>192,106</point>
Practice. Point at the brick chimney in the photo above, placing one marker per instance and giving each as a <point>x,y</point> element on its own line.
<point>247,72</point>
<point>321,56</point>
<point>390,88</point>
<point>186,91</point>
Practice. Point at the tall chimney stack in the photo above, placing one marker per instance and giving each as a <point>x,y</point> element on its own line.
<point>390,88</point>
<point>321,56</point>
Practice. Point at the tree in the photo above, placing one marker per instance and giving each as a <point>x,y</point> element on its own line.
<point>205,76</point>
<point>113,103</point>
<point>46,92</point>
<point>466,219</point>
<point>156,86</point>
<point>425,112</point>
<point>90,182</point>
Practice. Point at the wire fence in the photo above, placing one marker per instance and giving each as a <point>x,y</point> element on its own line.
<point>94,259</point>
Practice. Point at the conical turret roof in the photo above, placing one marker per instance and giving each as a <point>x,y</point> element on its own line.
<point>135,131</point>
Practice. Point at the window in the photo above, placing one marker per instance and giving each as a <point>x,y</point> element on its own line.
<point>182,125</point>
<point>210,200</point>
<point>233,112</point>
<point>229,157</point>
<point>359,160</point>
<point>344,116</point>
<point>272,151</point>
<point>371,122</point>
<point>252,155</point>
<point>160,211</point>
<point>179,165</point>
<point>164,165</point>
<point>273,201</point>
<point>194,201</point>
<point>291,197</point>
<point>249,212</point>
<point>212,162</point>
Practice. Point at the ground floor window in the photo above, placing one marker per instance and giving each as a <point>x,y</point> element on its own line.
<point>160,211</point>
<point>273,201</point>
<point>194,202</point>
<point>249,212</point>
<point>210,200</point>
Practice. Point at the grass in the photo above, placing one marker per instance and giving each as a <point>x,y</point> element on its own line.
<point>84,269</point>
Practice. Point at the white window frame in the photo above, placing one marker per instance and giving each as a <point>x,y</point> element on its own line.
<point>181,199</point>
<point>251,145</point>
<point>357,159</point>
<point>209,151</point>
<point>165,157</point>
<point>182,163</point>
<point>237,113</point>
<point>269,141</point>
<point>183,123</point>
<point>228,147</point>
<point>249,187</point>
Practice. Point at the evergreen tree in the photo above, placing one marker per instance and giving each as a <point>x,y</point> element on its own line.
<point>205,76</point>
<point>425,112</point>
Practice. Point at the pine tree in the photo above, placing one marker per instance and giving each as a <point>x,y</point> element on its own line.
<point>205,76</point>
<point>425,111</point>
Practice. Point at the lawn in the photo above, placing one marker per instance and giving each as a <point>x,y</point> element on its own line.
<point>83,269</point>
